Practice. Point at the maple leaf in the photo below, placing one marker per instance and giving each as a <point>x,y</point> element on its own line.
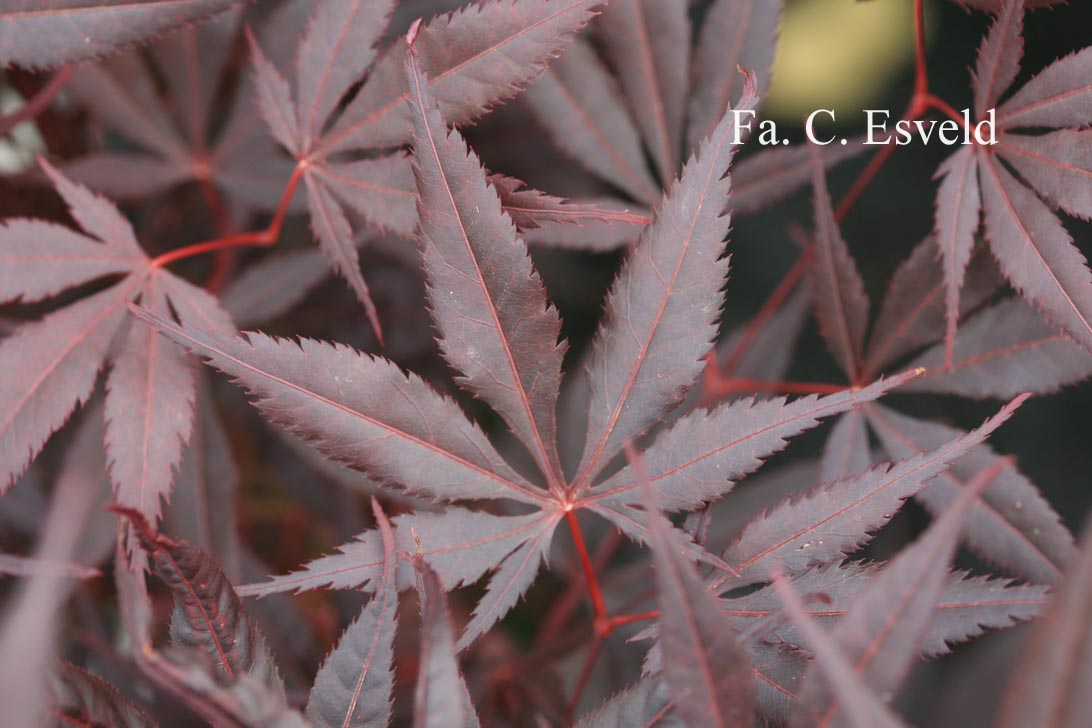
<point>173,136</point>
<point>364,412</point>
<point>477,56</point>
<point>1032,246</point>
<point>77,695</point>
<point>150,387</point>
<point>37,35</point>
<point>881,633</point>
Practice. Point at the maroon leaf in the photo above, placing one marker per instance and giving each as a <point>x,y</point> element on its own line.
<point>353,685</point>
<point>1057,165</point>
<point>707,670</point>
<point>381,189</point>
<point>999,55</point>
<point>37,34</point>
<point>95,214</point>
<point>644,703</point>
<point>335,236</point>
<point>333,55</point>
<point>702,455</point>
<point>651,346</point>
<point>50,367</point>
<point>207,615</point>
<point>773,174</point>
<point>474,58</point>
<point>1050,688</point>
<point>461,545</point>
<point>1011,524</point>
<point>149,411</point>
<point>496,326</point>
<point>648,45</point>
<point>735,34</point>
<point>1002,351</point>
<point>864,708</point>
<point>32,618</point>
<point>1036,253</point>
<point>1059,96</point>
<point>531,209</point>
<point>373,416</point>
<point>957,212</point>
<point>441,698</point>
<point>80,698</point>
<point>275,100</point>
<point>273,286</point>
<point>840,301</point>
<point>882,632</point>
<point>968,605</point>
<point>913,311</point>
<point>835,520</point>
<point>582,108</point>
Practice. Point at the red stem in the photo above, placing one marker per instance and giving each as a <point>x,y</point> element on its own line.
<point>267,236</point>
<point>37,103</point>
<point>623,619</point>
<point>921,71</point>
<point>594,593</point>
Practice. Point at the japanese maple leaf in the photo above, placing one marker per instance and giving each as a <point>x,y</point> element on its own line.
<point>53,363</point>
<point>1030,243</point>
<point>347,158</point>
<point>36,34</point>
<point>1013,526</point>
<point>657,88</point>
<point>170,135</point>
<point>498,331</point>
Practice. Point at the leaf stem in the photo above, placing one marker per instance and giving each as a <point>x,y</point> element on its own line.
<point>265,237</point>
<point>37,103</point>
<point>594,593</point>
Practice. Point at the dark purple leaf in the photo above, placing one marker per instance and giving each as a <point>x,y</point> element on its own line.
<point>474,58</point>
<point>353,685</point>
<point>999,56</point>
<point>957,215</point>
<point>81,699</point>
<point>735,34</point>
<point>49,33</point>
<point>1011,524</point>
<point>1059,96</point>
<point>1050,685</point>
<point>651,346</point>
<point>836,519</point>
<point>648,45</point>
<point>1057,165</point>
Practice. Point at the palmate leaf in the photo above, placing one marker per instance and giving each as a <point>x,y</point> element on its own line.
<point>846,451</point>
<point>884,627</point>
<point>836,519</point>
<point>912,314</point>
<point>1034,250</point>
<point>650,348</point>
<point>968,605</point>
<point>772,174</point>
<point>474,58</point>
<point>207,615</point>
<point>1051,688</point>
<point>496,326</point>
<point>1010,525</point>
<point>645,703</point>
<point>36,34</point>
<point>353,685</point>
<point>707,669</point>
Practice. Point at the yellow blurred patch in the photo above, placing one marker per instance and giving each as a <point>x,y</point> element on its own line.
<point>841,55</point>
